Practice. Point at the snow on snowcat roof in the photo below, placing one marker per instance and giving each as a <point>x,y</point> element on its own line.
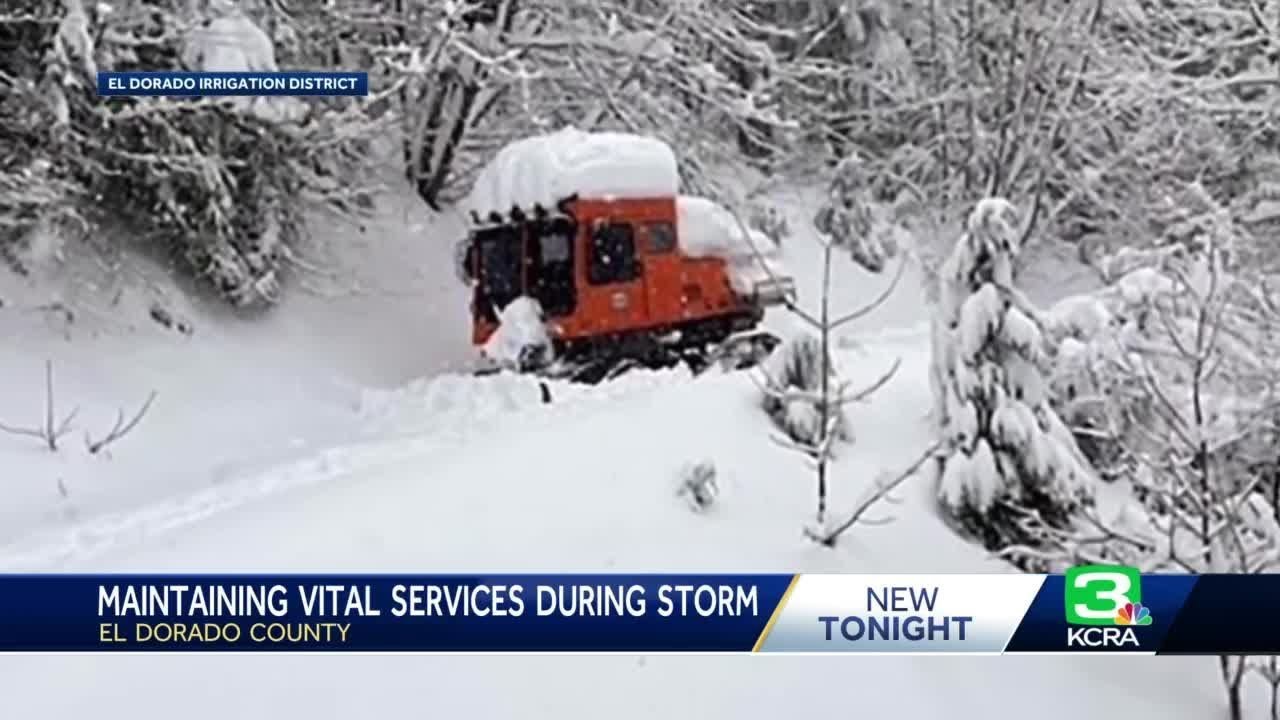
<point>546,169</point>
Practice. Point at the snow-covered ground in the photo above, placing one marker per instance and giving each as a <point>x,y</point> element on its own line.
<point>273,453</point>
<point>233,395</point>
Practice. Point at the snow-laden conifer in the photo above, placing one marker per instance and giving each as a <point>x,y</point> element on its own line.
<point>1005,450</point>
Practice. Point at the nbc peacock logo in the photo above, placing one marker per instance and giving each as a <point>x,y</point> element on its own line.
<point>1104,607</point>
<point>1133,614</point>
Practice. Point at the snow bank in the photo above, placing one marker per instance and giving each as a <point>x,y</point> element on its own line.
<point>446,404</point>
<point>548,168</point>
<point>457,406</point>
<point>708,229</point>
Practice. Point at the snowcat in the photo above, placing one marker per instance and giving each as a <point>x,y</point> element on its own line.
<point>585,258</point>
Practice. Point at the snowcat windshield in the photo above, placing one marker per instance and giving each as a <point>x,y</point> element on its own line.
<point>551,279</point>
<point>500,265</point>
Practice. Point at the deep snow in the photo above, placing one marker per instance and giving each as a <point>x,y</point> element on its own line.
<point>459,473</point>
<point>234,395</point>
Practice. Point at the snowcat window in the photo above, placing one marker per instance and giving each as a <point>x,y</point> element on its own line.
<point>662,237</point>
<point>613,254</point>
<point>500,265</point>
<point>551,278</point>
<point>554,247</point>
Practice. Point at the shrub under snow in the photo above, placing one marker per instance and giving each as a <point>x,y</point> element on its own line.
<point>793,391</point>
<point>1095,336</point>
<point>1006,451</point>
<point>698,485</point>
<point>1133,380</point>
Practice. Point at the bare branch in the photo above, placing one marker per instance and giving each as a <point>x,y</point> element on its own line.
<point>872,498</point>
<point>867,391</point>
<point>37,433</point>
<point>51,430</point>
<point>875,303</point>
<point>120,428</point>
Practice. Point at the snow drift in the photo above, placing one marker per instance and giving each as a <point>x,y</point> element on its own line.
<point>545,169</point>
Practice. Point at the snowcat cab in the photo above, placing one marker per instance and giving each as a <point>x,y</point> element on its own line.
<point>607,266</point>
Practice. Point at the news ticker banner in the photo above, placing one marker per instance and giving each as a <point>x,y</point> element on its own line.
<point>232,84</point>
<point>1090,609</point>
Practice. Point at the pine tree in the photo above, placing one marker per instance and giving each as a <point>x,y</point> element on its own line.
<point>1006,453</point>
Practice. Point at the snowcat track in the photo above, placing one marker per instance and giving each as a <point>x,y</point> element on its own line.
<point>737,352</point>
<point>729,344</point>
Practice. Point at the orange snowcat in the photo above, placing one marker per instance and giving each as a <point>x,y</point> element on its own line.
<point>614,286</point>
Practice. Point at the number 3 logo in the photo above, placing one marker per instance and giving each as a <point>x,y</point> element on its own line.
<point>1095,593</point>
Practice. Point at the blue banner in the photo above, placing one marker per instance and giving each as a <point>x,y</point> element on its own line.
<point>1090,609</point>
<point>232,84</point>
<point>508,613</point>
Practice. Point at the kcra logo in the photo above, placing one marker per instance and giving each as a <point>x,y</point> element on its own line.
<point>1104,604</point>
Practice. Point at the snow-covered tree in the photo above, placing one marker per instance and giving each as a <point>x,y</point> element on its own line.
<point>871,231</point>
<point>846,215</point>
<point>802,389</point>
<point>222,192</point>
<point>1183,387</point>
<point>728,86</point>
<point>1006,451</point>
<point>38,190</point>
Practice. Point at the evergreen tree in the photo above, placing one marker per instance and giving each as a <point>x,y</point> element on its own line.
<point>1006,453</point>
